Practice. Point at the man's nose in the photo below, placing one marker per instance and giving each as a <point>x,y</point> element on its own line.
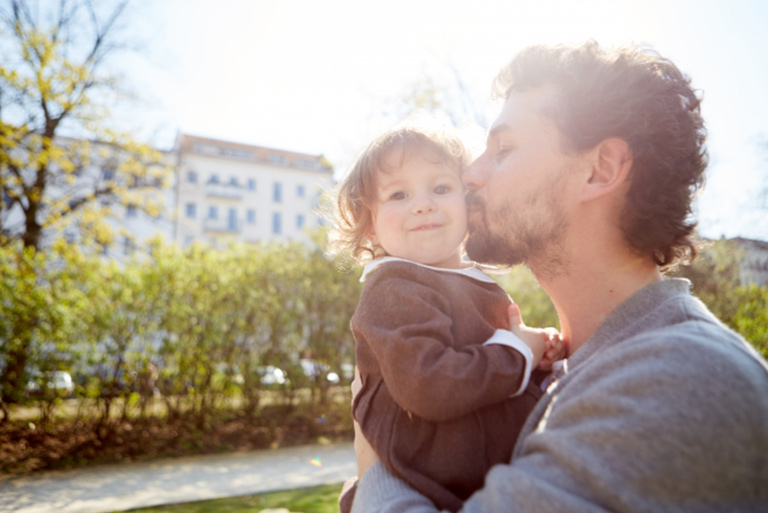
<point>475,175</point>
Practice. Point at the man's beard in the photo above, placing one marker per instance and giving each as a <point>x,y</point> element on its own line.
<point>530,234</point>
<point>488,247</point>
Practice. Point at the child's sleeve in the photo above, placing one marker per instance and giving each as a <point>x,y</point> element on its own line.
<point>406,327</point>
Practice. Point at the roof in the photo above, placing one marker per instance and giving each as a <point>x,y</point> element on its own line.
<point>219,148</point>
<point>752,243</point>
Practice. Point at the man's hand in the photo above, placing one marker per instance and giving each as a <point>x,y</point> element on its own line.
<point>366,456</point>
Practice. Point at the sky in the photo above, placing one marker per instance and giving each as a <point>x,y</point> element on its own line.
<point>320,76</point>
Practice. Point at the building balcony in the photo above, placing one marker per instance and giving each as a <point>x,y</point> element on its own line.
<point>223,190</point>
<point>223,225</point>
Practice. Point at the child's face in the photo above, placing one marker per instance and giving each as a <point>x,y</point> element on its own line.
<point>420,213</point>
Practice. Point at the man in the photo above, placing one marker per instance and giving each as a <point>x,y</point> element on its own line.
<point>588,178</point>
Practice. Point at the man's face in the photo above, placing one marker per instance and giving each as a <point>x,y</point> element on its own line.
<point>518,187</point>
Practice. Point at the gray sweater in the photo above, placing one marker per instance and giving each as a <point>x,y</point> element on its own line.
<point>662,409</point>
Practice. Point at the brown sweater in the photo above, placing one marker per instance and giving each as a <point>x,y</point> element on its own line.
<point>435,403</point>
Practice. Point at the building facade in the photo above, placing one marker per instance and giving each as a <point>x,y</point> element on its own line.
<point>753,268</point>
<point>227,191</point>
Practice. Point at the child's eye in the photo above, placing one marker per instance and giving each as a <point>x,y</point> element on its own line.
<point>443,189</point>
<point>397,196</point>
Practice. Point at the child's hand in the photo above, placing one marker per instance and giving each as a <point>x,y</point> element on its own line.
<point>556,349</point>
<point>546,344</point>
<point>535,339</point>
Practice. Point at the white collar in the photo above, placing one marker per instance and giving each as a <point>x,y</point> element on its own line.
<point>472,271</point>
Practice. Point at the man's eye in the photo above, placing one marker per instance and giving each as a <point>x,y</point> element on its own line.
<point>502,151</point>
<point>442,189</point>
<point>397,196</point>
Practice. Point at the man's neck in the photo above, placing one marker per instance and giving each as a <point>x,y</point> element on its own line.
<point>586,292</point>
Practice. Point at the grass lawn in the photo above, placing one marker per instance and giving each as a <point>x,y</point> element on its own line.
<point>318,499</point>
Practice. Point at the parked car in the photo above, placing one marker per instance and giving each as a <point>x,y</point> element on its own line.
<point>314,370</point>
<point>348,371</point>
<point>271,375</point>
<point>59,381</point>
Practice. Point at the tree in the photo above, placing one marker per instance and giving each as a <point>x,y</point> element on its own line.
<point>42,306</point>
<point>51,85</point>
<point>328,301</point>
<point>443,93</point>
<point>715,277</point>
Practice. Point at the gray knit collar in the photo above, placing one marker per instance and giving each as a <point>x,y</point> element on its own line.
<point>626,319</point>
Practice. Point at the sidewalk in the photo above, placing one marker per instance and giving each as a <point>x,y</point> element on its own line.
<point>132,485</point>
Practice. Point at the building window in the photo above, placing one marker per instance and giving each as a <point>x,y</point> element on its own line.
<point>191,210</point>
<point>131,211</point>
<point>251,184</point>
<point>128,246</point>
<point>276,158</point>
<point>108,174</point>
<point>277,192</point>
<point>232,219</point>
<point>300,191</point>
<point>300,221</point>
<point>233,181</point>
<point>251,216</point>
<point>192,176</point>
<point>214,179</point>
<point>277,223</point>
<point>213,212</point>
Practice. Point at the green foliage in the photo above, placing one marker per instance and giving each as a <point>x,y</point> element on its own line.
<point>196,325</point>
<point>714,275</point>
<point>535,306</point>
<point>751,318</point>
<point>317,499</point>
<point>41,304</point>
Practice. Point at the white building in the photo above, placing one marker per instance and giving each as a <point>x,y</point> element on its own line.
<point>228,191</point>
<point>753,268</point>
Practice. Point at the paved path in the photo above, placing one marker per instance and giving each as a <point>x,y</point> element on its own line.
<point>132,485</point>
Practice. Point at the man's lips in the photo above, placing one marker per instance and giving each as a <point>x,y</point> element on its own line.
<point>475,210</point>
<point>475,205</point>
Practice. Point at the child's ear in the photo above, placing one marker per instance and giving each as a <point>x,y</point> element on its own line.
<point>611,161</point>
<point>372,236</point>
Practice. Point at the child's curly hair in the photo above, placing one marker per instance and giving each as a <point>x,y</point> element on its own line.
<point>357,194</point>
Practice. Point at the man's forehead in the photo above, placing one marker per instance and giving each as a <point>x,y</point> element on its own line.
<point>520,109</point>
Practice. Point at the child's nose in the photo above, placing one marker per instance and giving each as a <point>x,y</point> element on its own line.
<point>424,204</point>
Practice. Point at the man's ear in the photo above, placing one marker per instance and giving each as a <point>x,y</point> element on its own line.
<point>611,162</point>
